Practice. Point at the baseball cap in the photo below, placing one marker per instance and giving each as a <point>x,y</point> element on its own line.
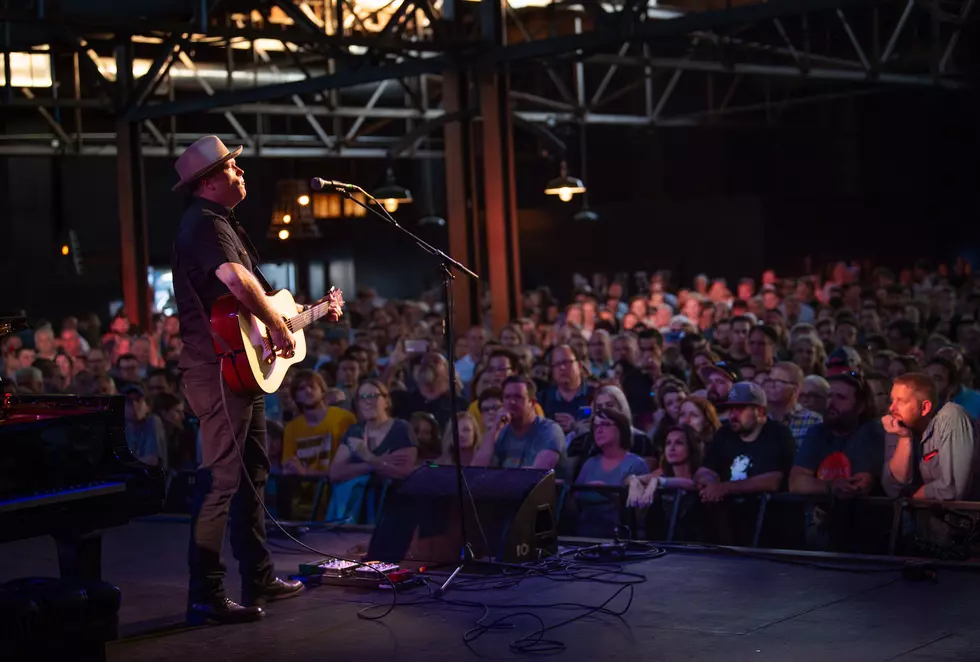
<point>843,359</point>
<point>132,388</point>
<point>727,369</point>
<point>746,393</point>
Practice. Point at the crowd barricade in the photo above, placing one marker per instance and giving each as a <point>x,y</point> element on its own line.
<point>871,525</point>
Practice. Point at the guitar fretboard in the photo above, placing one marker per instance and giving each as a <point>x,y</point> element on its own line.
<point>308,316</point>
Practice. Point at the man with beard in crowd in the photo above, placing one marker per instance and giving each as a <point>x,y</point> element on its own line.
<point>843,454</point>
<point>750,455</point>
<point>718,380</point>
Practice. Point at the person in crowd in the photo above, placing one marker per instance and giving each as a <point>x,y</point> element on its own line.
<point>527,440</point>
<point>145,433</point>
<point>935,455</point>
<point>469,440</point>
<point>738,350</point>
<point>476,338</point>
<point>427,436</point>
<point>762,347</point>
<point>681,460</point>
<point>378,444</point>
<point>128,370</point>
<point>44,343</point>
<point>431,393</point>
<point>347,377</point>
<point>701,416</point>
<point>843,454</point>
<point>613,466</point>
<point>719,380</point>
<point>500,364</point>
<point>181,438</point>
<point>901,365</point>
<point>311,440</point>
<point>564,401</point>
<point>600,354</point>
<point>948,387</point>
<point>29,380</point>
<point>751,454</point>
<point>582,446</point>
<point>879,392</point>
<point>782,389</point>
<point>814,393</point>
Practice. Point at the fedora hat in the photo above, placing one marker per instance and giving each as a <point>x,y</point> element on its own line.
<point>205,154</point>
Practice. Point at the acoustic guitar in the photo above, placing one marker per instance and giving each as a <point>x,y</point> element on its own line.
<point>255,367</point>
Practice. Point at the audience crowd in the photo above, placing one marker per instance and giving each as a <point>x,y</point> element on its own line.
<point>692,399</point>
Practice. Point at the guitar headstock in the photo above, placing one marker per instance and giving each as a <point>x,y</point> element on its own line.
<point>335,297</point>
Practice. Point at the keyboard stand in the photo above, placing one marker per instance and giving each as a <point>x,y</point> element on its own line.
<point>80,556</point>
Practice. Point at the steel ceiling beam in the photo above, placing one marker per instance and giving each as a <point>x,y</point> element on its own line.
<point>350,78</point>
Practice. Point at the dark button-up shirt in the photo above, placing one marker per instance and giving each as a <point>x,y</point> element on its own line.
<point>206,239</point>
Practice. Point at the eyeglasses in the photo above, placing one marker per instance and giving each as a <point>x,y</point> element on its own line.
<point>602,424</point>
<point>781,382</point>
<point>369,396</point>
<point>489,409</point>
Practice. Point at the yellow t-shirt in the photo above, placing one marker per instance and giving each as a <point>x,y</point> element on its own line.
<point>474,409</point>
<point>315,446</point>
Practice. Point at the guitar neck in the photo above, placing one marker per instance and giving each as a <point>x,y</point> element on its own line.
<point>308,316</point>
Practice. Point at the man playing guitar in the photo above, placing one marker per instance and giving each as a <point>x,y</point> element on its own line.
<point>213,256</point>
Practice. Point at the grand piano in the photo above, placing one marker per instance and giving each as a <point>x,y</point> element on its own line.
<point>66,471</point>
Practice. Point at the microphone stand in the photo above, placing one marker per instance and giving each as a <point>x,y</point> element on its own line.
<point>446,264</point>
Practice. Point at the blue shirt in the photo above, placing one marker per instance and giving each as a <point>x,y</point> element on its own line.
<point>599,513</point>
<point>552,403</point>
<point>969,400</point>
<point>831,457</point>
<point>512,451</point>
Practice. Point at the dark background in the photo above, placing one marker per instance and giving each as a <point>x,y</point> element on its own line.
<point>890,176</point>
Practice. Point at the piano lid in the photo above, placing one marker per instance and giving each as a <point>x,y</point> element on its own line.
<point>10,325</point>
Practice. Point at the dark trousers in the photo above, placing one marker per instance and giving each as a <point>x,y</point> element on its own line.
<point>223,485</point>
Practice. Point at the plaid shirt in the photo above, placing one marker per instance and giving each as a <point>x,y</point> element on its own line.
<point>799,421</point>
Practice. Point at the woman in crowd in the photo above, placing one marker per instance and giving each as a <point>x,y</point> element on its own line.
<point>700,415</point>
<point>670,395</point>
<point>808,353</point>
<point>682,457</point>
<point>427,435</point>
<point>469,440</point>
<point>377,444</point>
<point>598,514</point>
<point>582,445</point>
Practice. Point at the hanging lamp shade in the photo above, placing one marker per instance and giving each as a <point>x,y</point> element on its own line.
<point>564,186</point>
<point>391,194</point>
<point>434,220</point>
<point>585,215</point>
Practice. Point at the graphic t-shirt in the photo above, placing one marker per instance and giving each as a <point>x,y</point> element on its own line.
<point>733,459</point>
<point>315,445</point>
<point>831,456</point>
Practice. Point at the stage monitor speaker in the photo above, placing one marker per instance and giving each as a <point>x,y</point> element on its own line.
<point>514,516</point>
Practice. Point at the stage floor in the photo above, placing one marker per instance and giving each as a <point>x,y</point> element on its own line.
<point>694,606</point>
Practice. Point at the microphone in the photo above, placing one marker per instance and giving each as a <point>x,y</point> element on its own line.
<point>318,184</point>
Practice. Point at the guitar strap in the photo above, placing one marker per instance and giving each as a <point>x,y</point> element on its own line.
<point>253,254</point>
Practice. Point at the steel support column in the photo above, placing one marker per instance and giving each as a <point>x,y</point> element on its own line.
<point>503,249</point>
<point>131,197</point>
<point>459,214</point>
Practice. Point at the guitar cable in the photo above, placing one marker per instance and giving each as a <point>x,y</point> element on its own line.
<point>261,500</point>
